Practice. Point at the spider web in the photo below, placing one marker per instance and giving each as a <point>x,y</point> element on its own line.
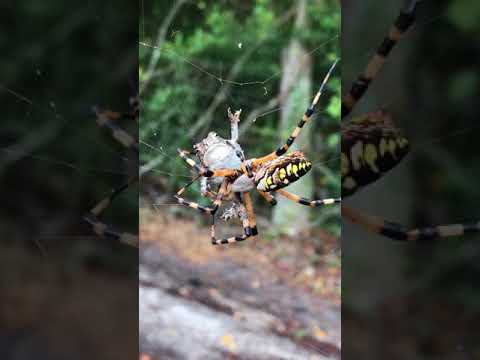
<point>223,84</point>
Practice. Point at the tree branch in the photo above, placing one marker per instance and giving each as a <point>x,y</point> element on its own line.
<point>162,33</point>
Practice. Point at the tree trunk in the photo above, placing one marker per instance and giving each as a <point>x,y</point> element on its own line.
<point>295,92</point>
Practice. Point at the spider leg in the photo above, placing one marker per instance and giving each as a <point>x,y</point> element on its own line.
<point>268,197</point>
<point>103,230</point>
<point>307,202</point>
<point>306,118</point>
<point>107,119</point>
<point>213,209</point>
<point>247,198</point>
<point>183,154</point>
<point>397,231</point>
<point>248,224</point>
<point>205,171</point>
<point>403,22</point>
<point>194,205</point>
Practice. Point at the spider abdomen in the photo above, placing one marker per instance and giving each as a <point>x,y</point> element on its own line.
<point>371,146</point>
<point>281,172</point>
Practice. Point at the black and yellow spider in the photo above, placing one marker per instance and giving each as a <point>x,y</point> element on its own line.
<point>108,119</point>
<point>372,146</point>
<point>226,175</point>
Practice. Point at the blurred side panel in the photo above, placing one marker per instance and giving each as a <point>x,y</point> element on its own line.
<point>417,299</point>
<point>66,293</point>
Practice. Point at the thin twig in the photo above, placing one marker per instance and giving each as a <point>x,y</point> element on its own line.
<point>162,33</point>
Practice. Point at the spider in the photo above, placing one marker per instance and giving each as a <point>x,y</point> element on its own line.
<point>108,119</point>
<point>222,166</point>
<point>372,145</point>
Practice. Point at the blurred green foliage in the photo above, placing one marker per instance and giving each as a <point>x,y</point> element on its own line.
<point>233,47</point>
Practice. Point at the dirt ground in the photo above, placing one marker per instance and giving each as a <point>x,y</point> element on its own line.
<point>261,299</point>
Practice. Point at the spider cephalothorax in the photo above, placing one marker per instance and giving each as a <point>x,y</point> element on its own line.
<point>226,175</point>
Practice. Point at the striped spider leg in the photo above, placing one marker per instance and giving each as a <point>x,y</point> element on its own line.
<point>206,173</point>
<point>305,119</point>
<point>307,202</point>
<point>246,207</point>
<point>104,230</point>
<point>276,170</point>
<point>108,119</point>
<point>247,216</point>
<point>397,231</point>
<point>372,145</point>
<point>279,170</point>
<point>403,22</point>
